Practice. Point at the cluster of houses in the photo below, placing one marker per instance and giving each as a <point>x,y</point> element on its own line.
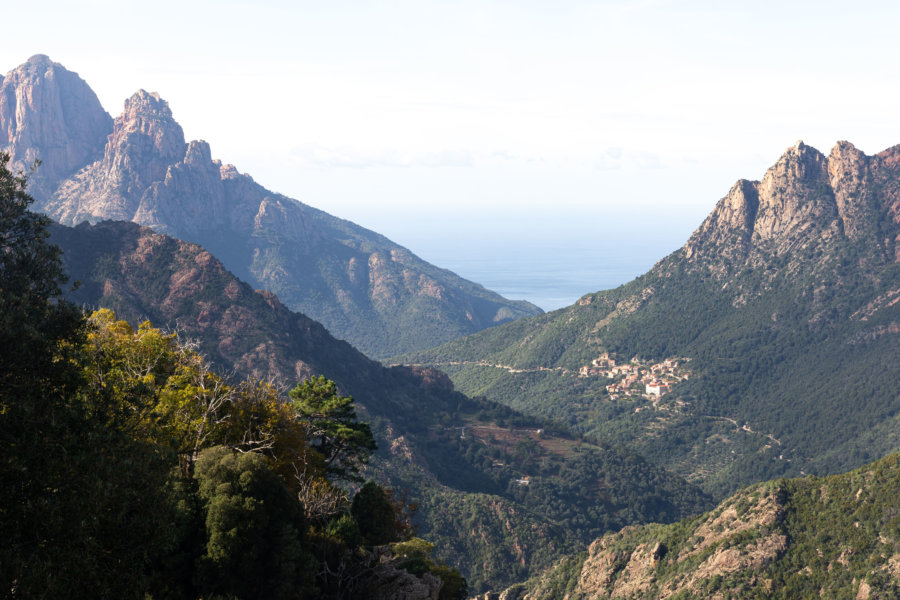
<point>636,377</point>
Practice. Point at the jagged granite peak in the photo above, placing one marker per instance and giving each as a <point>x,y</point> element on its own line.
<point>51,114</point>
<point>363,287</point>
<point>148,116</point>
<point>144,143</point>
<point>791,194</point>
<point>805,199</point>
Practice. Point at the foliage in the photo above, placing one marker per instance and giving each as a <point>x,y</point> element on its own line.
<point>374,515</point>
<point>255,530</point>
<point>344,443</point>
<point>414,412</point>
<point>131,468</point>
<point>80,503</point>
<point>415,554</point>
<point>831,537</point>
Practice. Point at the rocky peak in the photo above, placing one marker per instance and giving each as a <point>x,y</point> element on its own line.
<point>147,125</point>
<point>805,197</point>
<point>198,153</point>
<point>731,223</point>
<point>145,141</point>
<point>793,194</point>
<point>848,169</point>
<point>50,113</point>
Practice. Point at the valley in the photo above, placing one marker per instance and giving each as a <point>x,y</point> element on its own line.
<point>462,483</point>
<point>576,453</point>
<point>766,299</point>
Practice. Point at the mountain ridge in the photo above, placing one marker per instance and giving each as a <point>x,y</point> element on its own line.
<point>376,294</point>
<point>832,537</point>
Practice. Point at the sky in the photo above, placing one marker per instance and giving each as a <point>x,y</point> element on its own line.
<point>544,149</point>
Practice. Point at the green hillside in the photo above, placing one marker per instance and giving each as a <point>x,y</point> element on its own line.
<point>833,537</point>
<point>787,327</point>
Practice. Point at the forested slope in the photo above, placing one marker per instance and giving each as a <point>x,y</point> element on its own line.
<point>833,537</point>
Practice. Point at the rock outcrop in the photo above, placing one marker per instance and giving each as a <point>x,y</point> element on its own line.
<point>832,537</point>
<point>805,201</point>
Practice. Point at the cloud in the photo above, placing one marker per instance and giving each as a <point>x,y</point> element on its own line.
<point>616,158</point>
<point>317,157</point>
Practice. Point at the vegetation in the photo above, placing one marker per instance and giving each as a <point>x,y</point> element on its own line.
<point>344,443</point>
<point>789,376</point>
<point>455,457</point>
<point>831,537</point>
<point>131,468</point>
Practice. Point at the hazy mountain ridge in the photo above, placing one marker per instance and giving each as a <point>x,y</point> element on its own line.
<point>832,537</point>
<point>360,285</point>
<point>785,299</point>
<point>465,483</point>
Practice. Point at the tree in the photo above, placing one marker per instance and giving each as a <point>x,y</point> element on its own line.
<point>255,530</point>
<point>344,443</point>
<point>82,513</point>
<point>34,321</point>
<point>374,514</point>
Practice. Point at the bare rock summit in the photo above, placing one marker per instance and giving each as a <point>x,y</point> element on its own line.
<point>50,113</point>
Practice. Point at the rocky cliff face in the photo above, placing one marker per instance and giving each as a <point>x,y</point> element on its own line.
<point>50,114</point>
<point>360,285</point>
<point>806,200</point>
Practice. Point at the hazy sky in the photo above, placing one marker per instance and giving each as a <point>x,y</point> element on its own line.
<point>608,129</point>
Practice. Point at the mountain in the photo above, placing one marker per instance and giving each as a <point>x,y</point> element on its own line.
<point>364,288</point>
<point>50,113</point>
<point>781,311</point>
<point>833,537</point>
<point>502,495</point>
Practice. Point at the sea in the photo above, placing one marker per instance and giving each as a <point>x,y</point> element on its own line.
<point>550,259</point>
<point>550,276</point>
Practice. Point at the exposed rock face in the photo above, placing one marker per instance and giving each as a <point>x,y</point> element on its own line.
<point>829,537</point>
<point>388,582</point>
<point>363,287</point>
<point>805,200</point>
<point>49,113</point>
<point>144,142</point>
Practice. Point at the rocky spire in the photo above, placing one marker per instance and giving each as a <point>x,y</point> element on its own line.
<point>144,143</point>
<point>793,194</point>
<point>50,113</point>
<point>804,200</point>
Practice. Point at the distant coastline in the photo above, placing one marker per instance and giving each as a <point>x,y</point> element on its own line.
<point>549,280</point>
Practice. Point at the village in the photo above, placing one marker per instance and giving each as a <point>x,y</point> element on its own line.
<point>636,377</point>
